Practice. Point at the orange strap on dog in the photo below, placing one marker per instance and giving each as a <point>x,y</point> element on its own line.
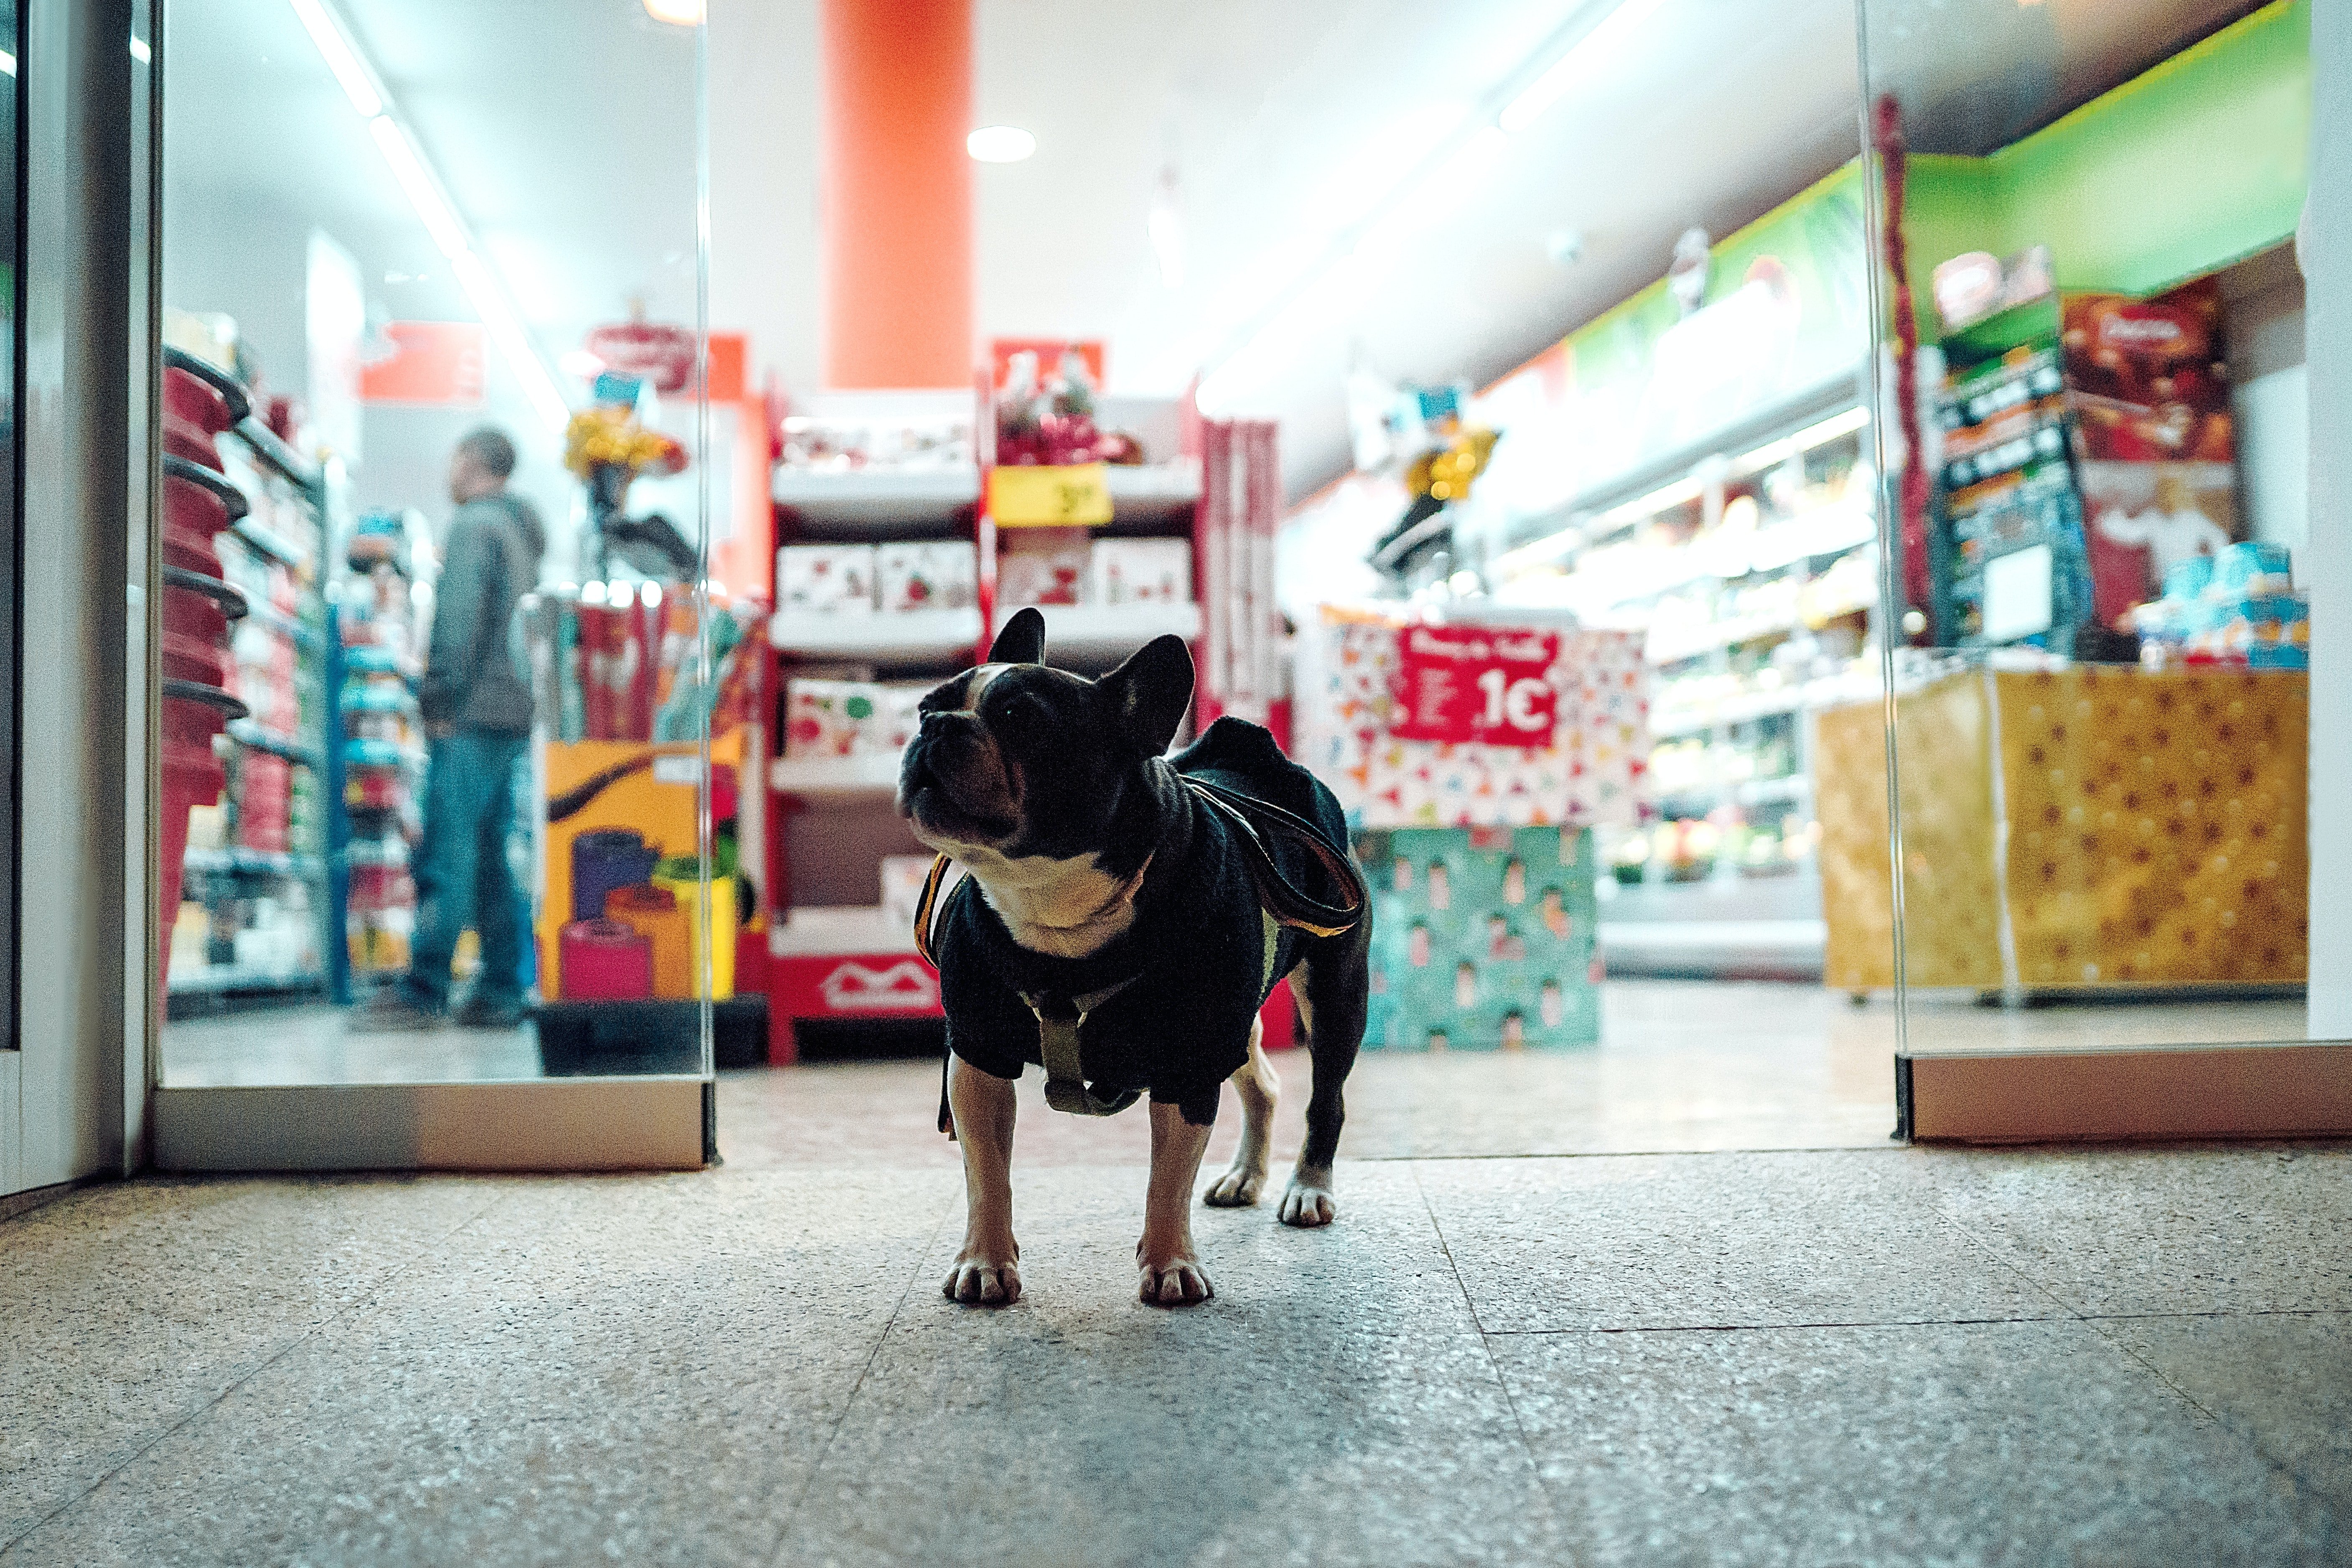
<point>927,905</point>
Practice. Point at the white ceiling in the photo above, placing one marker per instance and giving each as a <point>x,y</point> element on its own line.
<point>564,130</point>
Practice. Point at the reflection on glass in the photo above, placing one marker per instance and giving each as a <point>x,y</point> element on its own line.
<point>430,623</point>
<point>2096,488</point>
<point>12,257</point>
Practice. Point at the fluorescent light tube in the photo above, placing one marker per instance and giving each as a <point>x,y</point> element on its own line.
<point>424,190</point>
<point>1611,19</point>
<point>513,341</point>
<point>327,33</point>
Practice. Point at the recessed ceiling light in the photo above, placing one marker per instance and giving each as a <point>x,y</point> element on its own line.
<point>997,143</point>
<point>677,13</point>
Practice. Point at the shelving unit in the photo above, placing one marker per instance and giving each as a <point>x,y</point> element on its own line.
<point>833,952</point>
<point>261,901</point>
<point>1755,578</point>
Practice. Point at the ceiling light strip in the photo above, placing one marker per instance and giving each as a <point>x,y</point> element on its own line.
<point>1517,101</point>
<point>426,192</point>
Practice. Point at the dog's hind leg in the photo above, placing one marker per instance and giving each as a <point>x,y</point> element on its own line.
<point>1333,1003</point>
<point>1259,1090</point>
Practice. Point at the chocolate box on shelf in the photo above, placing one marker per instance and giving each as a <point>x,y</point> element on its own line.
<point>825,578</point>
<point>1141,571</point>
<point>926,575</point>
<point>1042,566</point>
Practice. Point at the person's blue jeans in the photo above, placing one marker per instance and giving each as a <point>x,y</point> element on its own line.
<point>461,872</point>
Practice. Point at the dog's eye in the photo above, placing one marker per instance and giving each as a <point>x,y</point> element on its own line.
<point>1022,714</point>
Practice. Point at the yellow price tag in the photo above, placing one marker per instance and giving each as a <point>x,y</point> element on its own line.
<point>1041,496</point>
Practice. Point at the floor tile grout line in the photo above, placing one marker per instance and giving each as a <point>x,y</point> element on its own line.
<point>1485,1344</point>
<point>189,1418</point>
<point>832,1435</point>
<point>2240,1433</point>
<point>2062,1316</point>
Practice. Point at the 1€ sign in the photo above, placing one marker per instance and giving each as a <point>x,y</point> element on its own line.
<point>1476,684</point>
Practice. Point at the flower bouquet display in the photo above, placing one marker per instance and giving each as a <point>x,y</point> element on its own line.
<point>608,448</point>
<point>1050,419</point>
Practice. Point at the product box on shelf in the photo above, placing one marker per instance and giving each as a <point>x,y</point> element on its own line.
<point>848,718</point>
<point>1483,938</point>
<point>902,887</point>
<point>926,575</point>
<point>1043,567</point>
<point>825,578</point>
<point>1140,572</point>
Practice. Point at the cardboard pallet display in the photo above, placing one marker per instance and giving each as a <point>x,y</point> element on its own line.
<point>1480,856</point>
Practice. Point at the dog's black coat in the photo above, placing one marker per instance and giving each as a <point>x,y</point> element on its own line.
<point>1197,943</point>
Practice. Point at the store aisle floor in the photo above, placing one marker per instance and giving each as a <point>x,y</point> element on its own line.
<point>1882,1355</point>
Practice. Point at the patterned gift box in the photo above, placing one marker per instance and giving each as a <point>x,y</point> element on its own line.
<point>1482,938</point>
<point>926,575</point>
<point>832,579</point>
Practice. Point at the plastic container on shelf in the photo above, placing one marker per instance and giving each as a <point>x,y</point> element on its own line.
<point>192,776</point>
<point>668,925</point>
<point>603,860</point>
<point>718,927</point>
<point>604,961</point>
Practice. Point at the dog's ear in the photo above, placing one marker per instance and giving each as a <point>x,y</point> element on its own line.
<point>1148,695</point>
<point>1022,640</point>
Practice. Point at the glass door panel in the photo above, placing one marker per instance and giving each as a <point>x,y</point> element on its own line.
<point>434,757</point>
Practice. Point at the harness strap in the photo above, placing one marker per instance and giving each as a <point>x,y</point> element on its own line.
<point>926,906</point>
<point>1059,1019</point>
<point>1281,904</point>
<point>1277,895</point>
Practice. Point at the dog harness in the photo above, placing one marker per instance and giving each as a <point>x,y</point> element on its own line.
<point>1281,904</point>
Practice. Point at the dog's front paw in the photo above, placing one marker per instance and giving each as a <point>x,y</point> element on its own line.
<point>1308,1203</point>
<point>1238,1188</point>
<point>985,1275</point>
<point>1172,1277</point>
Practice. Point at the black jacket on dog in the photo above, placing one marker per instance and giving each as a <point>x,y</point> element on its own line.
<point>1192,970</point>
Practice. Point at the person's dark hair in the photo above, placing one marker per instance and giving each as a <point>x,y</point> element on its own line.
<point>490,450</point>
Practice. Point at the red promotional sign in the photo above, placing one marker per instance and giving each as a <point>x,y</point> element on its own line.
<point>430,363</point>
<point>663,354</point>
<point>1480,684</point>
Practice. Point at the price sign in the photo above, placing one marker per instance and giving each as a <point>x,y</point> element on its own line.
<point>1044,496</point>
<point>1476,684</point>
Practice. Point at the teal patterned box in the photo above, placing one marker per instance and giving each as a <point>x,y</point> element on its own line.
<point>1482,938</point>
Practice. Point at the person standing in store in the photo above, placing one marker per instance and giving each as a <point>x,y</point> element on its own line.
<point>478,710</point>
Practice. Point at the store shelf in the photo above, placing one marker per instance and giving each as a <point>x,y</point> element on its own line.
<point>824,779</point>
<point>876,498</point>
<point>1104,634</point>
<point>1774,792</point>
<point>215,982</point>
<point>1673,648</point>
<point>844,931</point>
<point>1726,925</point>
<point>254,862</point>
<point>913,636</point>
<point>1153,492</point>
<point>269,544</point>
<point>284,624</point>
<point>1749,707</point>
<point>280,456</point>
<point>244,733</point>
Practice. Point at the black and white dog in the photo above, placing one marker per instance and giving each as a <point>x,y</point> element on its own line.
<point>1119,926</point>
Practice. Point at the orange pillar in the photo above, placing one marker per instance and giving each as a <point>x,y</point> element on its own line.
<point>897,193</point>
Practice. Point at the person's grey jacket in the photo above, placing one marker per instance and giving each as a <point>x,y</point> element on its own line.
<point>476,675</point>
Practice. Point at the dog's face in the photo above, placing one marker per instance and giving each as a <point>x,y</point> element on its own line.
<point>1015,761</point>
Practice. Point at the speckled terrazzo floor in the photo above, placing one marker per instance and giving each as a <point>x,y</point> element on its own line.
<point>1826,1356</point>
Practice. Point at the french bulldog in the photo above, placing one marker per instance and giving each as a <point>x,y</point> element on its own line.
<point>1109,896</point>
